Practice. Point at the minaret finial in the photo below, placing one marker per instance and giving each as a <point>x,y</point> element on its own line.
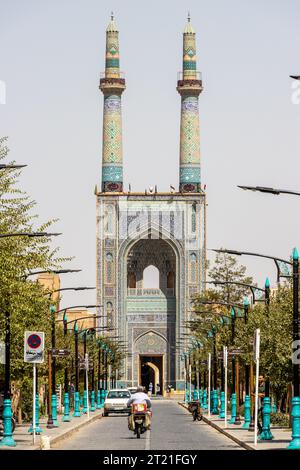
<point>112,16</point>
<point>189,17</point>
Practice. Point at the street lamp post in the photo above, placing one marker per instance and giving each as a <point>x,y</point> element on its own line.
<point>295,443</point>
<point>54,312</point>
<point>8,439</point>
<point>66,416</point>
<point>247,404</point>
<point>215,409</point>
<point>77,412</point>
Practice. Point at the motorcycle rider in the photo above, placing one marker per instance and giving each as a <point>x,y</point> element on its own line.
<point>139,397</point>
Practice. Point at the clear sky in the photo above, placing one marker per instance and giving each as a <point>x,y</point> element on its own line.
<point>51,56</point>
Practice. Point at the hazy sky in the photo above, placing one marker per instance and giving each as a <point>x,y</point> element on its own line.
<point>51,56</point>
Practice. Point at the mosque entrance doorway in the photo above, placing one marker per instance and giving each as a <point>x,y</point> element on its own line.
<point>151,371</point>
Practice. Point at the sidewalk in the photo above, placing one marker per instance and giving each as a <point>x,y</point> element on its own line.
<point>24,439</point>
<point>245,438</point>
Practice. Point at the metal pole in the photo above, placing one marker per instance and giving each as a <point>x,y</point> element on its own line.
<point>50,423</point>
<point>296,319</point>
<point>209,381</point>
<point>34,404</point>
<point>225,384</point>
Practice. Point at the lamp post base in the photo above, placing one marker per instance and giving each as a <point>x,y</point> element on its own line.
<point>222,408</point>
<point>93,408</point>
<point>204,403</point>
<point>233,409</point>
<point>295,443</point>
<point>266,434</point>
<point>66,417</point>
<point>77,412</point>
<point>215,403</point>
<point>7,440</point>
<point>247,413</point>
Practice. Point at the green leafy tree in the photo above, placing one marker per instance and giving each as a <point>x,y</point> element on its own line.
<point>23,299</point>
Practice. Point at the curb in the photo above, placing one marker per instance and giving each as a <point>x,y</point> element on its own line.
<point>69,432</point>
<point>227,434</point>
<point>63,435</point>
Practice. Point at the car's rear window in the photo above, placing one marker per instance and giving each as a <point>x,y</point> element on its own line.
<point>119,394</point>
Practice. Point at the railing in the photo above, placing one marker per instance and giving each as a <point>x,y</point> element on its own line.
<point>139,292</point>
<point>195,74</point>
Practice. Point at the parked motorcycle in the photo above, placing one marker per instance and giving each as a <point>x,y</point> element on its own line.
<point>194,408</point>
<point>141,418</point>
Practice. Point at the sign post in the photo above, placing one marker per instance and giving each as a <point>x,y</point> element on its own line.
<point>225,355</point>
<point>190,381</point>
<point>34,353</point>
<point>2,352</point>
<point>209,381</point>
<point>256,358</point>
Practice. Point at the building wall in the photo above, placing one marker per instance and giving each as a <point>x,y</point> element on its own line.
<point>123,220</point>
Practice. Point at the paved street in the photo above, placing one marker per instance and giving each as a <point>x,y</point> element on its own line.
<point>172,429</point>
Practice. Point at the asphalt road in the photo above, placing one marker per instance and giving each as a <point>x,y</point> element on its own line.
<point>172,429</point>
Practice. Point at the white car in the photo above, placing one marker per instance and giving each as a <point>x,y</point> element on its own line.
<point>116,401</point>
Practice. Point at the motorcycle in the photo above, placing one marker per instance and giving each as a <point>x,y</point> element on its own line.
<point>141,418</point>
<point>194,408</point>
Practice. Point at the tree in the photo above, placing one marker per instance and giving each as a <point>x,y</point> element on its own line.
<point>226,269</point>
<point>23,299</point>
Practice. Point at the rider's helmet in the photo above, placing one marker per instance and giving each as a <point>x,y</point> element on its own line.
<point>139,388</point>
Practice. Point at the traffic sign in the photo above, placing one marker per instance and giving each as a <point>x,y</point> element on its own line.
<point>34,346</point>
<point>83,365</point>
<point>60,352</point>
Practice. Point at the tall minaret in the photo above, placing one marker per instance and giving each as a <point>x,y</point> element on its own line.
<point>189,87</point>
<point>112,87</point>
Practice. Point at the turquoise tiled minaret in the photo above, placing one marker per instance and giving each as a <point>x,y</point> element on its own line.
<point>189,87</point>
<point>112,87</point>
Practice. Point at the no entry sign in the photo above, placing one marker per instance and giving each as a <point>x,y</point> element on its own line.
<point>34,347</point>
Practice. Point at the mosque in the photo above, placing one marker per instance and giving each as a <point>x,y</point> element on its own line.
<point>138,230</point>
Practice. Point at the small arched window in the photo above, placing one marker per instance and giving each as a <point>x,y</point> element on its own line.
<point>131,281</point>
<point>171,280</point>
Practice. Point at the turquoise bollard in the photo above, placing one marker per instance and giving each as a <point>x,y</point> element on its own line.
<point>295,443</point>
<point>98,407</point>
<point>54,410</point>
<point>66,417</point>
<point>77,412</point>
<point>85,401</point>
<point>204,403</point>
<point>222,407</point>
<point>247,413</point>
<point>93,408</point>
<point>7,440</point>
<point>215,403</point>
<point>233,408</point>
<point>266,434</point>
<point>38,430</point>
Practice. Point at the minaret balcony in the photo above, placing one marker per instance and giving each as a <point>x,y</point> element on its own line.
<point>112,81</point>
<point>189,82</point>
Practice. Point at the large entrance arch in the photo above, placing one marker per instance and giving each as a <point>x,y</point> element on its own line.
<point>151,356</point>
